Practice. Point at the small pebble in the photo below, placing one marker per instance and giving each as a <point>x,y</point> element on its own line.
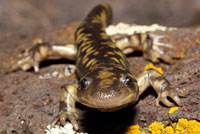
<point>123,28</point>
<point>67,129</point>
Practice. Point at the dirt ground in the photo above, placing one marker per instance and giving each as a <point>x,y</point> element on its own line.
<point>28,103</point>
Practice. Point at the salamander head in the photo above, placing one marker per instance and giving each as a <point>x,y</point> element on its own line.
<point>107,90</point>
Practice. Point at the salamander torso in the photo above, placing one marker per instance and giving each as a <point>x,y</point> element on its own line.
<point>103,70</point>
<point>105,80</point>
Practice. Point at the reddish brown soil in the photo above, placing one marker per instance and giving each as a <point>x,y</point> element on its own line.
<point>28,104</point>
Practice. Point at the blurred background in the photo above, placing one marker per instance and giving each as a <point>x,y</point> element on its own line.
<point>30,16</point>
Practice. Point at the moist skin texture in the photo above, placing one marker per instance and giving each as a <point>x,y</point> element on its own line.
<point>105,80</point>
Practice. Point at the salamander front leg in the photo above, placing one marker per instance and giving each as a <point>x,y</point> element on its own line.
<point>161,85</point>
<point>41,51</point>
<point>67,106</point>
<point>153,46</point>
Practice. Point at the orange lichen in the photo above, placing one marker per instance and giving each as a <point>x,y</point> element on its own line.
<point>134,129</point>
<point>150,65</point>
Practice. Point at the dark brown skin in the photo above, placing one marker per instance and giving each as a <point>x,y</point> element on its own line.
<point>105,83</point>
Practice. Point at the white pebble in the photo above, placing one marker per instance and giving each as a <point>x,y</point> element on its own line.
<point>124,28</point>
<point>67,129</point>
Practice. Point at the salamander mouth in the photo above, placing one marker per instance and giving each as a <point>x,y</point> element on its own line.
<point>110,105</point>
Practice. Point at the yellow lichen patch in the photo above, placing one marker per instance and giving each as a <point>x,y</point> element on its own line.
<point>134,129</point>
<point>156,128</point>
<point>172,110</point>
<point>189,127</point>
<point>183,126</point>
<point>193,127</point>
<point>150,65</point>
<point>169,130</point>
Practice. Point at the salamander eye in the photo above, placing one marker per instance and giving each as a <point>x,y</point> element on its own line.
<point>85,82</point>
<point>127,80</point>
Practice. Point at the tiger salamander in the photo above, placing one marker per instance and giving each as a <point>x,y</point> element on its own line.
<point>105,80</point>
